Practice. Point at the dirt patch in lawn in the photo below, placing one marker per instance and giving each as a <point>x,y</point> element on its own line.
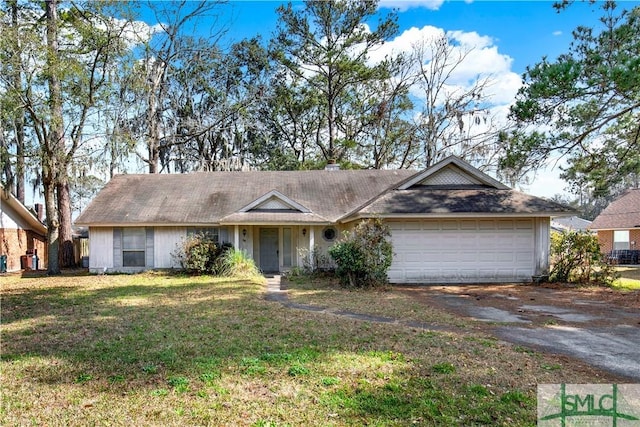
<point>534,305</point>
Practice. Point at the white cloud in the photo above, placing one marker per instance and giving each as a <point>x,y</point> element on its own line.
<point>504,88</point>
<point>133,33</point>
<point>471,39</point>
<point>483,60</point>
<point>557,33</point>
<point>404,5</point>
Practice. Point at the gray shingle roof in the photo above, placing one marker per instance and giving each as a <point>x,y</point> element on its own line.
<point>469,200</point>
<point>330,196</point>
<point>208,197</point>
<point>622,213</point>
<point>570,223</point>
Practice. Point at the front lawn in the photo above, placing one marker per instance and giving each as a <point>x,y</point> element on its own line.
<point>155,349</point>
<point>629,278</point>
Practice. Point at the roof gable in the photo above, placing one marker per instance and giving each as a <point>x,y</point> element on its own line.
<point>24,214</point>
<point>622,213</point>
<point>452,172</point>
<point>274,201</point>
<point>453,187</point>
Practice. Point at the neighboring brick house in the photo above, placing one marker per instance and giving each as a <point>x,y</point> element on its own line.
<point>618,226</point>
<point>21,233</point>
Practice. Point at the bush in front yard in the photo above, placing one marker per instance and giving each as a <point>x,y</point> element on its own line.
<point>199,253</point>
<point>576,257</point>
<point>315,260</point>
<point>237,263</point>
<point>364,256</point>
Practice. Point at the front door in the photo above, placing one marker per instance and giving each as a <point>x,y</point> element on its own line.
<point>269,250</point>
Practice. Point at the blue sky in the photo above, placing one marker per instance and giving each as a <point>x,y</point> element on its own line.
<point>524,30</point>
<point>507,37</point>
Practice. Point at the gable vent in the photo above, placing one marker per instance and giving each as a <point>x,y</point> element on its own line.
<point>273,204</point>
<point>449,176</point>
<point>274,201</point>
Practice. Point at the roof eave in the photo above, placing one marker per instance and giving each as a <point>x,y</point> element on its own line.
<point>440,215</point>
<point>24,212</point>
<point>276,223</point>
<point>145,224</point>
<point>621,228</point>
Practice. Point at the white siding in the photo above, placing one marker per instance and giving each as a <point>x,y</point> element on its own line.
<point>100,249</point>
<point>246,242</point>
<point>8,218</point>
<point>167,240</point>
<point>321,244</point>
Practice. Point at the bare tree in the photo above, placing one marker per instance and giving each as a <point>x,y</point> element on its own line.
<point>381,123</point>
<point>163,56</point>
<point>455,118</point>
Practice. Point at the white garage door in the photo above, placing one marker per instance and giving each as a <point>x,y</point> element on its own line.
<point>462,251</point>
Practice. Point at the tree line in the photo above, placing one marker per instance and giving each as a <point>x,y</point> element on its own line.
<point>88,90</point>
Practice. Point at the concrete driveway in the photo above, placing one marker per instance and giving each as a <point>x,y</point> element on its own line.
<point>599,328</point>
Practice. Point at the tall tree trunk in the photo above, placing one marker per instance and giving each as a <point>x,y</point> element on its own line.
<point>55,138</point>
<point>66,256</point>
<point>331,115</point>
<point>19,118</point>
<point>154,115</point>
<point>51,210</point>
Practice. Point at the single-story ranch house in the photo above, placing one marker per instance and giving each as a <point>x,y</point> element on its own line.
<point>450,223</point>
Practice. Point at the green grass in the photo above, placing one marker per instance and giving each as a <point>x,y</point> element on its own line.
<point>629,279</point>
<point>625,284</point>
<point>155,349</point>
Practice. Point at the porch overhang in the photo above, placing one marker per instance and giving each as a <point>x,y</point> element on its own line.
<point>273,218</point>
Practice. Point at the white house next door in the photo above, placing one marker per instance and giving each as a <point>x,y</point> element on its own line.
<point>269,250</point>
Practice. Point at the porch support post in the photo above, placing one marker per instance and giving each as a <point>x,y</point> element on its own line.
<point>312,242</point>
<point>236,236</point>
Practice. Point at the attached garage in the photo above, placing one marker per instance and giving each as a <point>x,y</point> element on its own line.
<point>463,251</point>
<point>453,224</point>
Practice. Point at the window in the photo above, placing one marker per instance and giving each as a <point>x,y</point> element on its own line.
<point>133,247</point>
<point>621,239</point>
<point>329,234</point>
<point>209,232</point>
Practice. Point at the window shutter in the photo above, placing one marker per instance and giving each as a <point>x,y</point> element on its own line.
<point>149,248</point>
<point>223,235</point>
<point>117,247</point>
